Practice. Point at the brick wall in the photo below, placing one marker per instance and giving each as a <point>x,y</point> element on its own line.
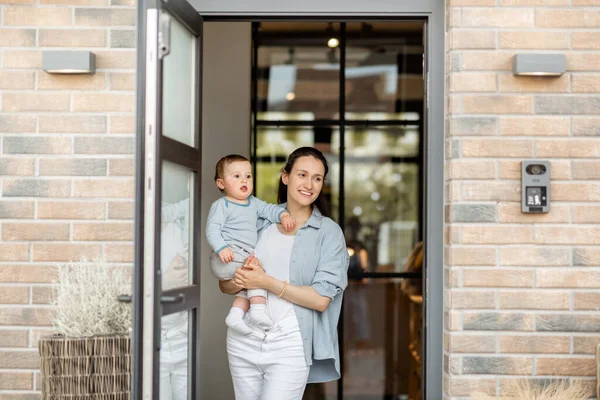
<point>66,162</point>
<point>522,291</point>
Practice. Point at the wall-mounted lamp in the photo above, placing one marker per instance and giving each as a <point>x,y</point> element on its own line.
<point>539,64</point>
<point>69,62</point>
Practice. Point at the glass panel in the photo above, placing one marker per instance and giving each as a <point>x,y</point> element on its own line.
<point>321,391</point>
<point>275,144</point>
<point>280,142</point>
<point>382,195</point>
<point>384,71</point>
<point>382,339</point>
<point>179,84</point>
<point>176,225</point>
<point>391,141</point>
<point>298,71</point>
<point>267,180</point>
<point>174,356</point>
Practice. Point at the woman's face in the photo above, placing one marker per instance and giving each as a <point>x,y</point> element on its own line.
<point>305,180</point>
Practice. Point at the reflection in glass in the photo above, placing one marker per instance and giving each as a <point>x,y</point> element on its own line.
<point>381,185</point>
<point>321,391</point>
<point>175,226</point>
<point>279,142</point>
<point>274,144</point>
<point>174,356</point>
<point>266,186</point>
<point>382,205</point>
<point>178,91</point>
<point>299,78</point>
<point>274,154</point>
<point>379,142</point>
<point>384,77</point>
<point>382,341</point>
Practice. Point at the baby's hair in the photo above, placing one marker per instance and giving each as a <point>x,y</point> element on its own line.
<point>225,161</point>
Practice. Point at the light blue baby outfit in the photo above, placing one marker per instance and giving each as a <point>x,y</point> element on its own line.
<point>235,225</point>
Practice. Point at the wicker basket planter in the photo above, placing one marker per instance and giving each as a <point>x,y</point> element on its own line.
<point>96,367</point>
<point>598,370</point>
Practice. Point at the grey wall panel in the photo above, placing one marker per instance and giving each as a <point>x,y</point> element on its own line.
<point>225,129</point>
<point>313,7</point>
<point>434,219</point>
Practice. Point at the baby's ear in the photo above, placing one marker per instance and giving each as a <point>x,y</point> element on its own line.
<point>220,184</point>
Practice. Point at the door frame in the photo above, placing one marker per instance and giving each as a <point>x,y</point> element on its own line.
<point>164,149</point>
<point>434,12</point>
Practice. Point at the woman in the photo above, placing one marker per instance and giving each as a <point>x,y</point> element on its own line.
<point>307,275</point>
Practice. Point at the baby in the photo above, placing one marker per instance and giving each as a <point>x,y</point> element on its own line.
<point>231,230</point>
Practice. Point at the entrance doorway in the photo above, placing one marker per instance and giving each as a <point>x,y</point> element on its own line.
<point>355,90</point>
<point>368,98</point>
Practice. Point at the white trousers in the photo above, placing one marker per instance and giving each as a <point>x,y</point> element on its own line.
<point>269,365</point>
<point>173,364</point>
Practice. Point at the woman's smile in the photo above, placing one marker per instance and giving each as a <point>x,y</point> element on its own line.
<point>305,180</point>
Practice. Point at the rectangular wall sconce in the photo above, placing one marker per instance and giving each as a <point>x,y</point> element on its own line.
<point>69,62</point>
<point>539,64</point>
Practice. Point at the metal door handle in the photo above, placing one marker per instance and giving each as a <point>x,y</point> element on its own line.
<point>172,299</point>
<point>124,298</point>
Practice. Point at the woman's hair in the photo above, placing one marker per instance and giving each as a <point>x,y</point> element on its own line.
<point>321,201</point>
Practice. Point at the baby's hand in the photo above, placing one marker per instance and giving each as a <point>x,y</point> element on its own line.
<point>226,255</point>
<point>287,221</point>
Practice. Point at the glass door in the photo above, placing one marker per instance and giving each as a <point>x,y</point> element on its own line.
<point>167,291</point>
<point>356,91</point>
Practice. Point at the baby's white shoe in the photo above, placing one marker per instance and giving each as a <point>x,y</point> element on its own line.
<point>258,316</point>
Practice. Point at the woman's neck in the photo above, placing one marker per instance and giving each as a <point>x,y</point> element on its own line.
<point>299,212</point>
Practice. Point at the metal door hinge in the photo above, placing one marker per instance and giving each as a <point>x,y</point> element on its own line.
<point>164,35</point>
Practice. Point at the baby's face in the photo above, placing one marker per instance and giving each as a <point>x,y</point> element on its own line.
<point>237,180</point>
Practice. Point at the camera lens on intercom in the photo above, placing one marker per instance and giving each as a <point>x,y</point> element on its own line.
<point>536,169</point>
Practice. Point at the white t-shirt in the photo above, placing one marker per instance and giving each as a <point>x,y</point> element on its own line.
<point>275,252</point>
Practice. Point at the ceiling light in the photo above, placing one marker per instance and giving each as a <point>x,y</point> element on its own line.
<point>290,96</point>
<point>333,42</point>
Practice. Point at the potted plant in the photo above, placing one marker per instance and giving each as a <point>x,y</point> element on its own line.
<point>89,355</point>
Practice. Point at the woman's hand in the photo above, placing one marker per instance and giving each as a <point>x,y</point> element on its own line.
<point>251,275</point>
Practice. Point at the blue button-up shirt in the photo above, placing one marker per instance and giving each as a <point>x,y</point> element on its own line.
<point>320,259</point>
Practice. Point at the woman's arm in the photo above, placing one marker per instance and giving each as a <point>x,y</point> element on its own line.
<point>304,296</point>
<point>253,276</point>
